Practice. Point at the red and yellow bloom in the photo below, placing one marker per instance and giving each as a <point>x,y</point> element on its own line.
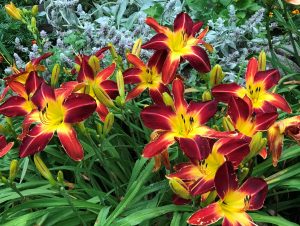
<point>257,85</point>
<point>199,176</point>
<point>91,79</point>
<point>244,119</point>
<point>182,122</point>
<point>234,201</point>
<point>289,127</point>
<point>146,76</point>
<point>56,111</point>
<point>179,43</point>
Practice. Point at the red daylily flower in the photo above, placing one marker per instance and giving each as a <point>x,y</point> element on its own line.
<point>245,120</point>
<point>21,105</point>
<point>90,78</point>
<point>257,85</point>
<point>31,68</point>
<point>4,146</point>
<point>180,43</point>
<point>182,122</point>
<point>234,201</point>
<point>200,176</point>
<point>146,76</point>
<point>57,111</point>
<point>289,127</point>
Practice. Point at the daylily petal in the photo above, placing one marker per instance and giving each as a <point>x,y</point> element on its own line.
<point>238,109</point>
<point>157,42</point>
<point>179,201</point>
<point>205,216</point>
<point>257,188</point>
<point>225,179</point>
<point>78,107</point>
<point>135,92</point>
<point>132,76</point>
<point>207,132</point>
<point>278,101</point>
<point>265,120</point>
<point>203,111</point>
<point>224,92</point>
<point>106,72</point>
<point>235,150</point>
<point>183,22</point>
<point>4,146</point>
<point>268,78</point>
<point>137,62</point>
<point>169,68</point>
<point>237,219</point>
<point>198,59</point>
<point>265,107</point>
<point>197,148</point>
<point>188,172</point>
<point>102,111</point>
<point>14,106</point>
<point>100,52</point>
<point>33,83</point>
<point>156,93</point>
<point>3,94</point>
<point>36,61</point>
<point>157,60</point>
<point>178,93</point>
<point>157,117</point>
<point>252,69</point>
<point>155,25</point>
<point>85,72</point>
<point>159,145</point>
<point>110,87</point>
<point>32,117</point>
<point>69,141</point>
<point>196,28</point>
<point>35,141</point>
<point>43,94</point>
<point>201,186</point>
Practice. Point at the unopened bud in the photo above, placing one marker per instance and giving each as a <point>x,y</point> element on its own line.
<point>120,83</point>
<point>108,123</point>
<point>13,169</point>
<point>136,49</point>
<point>216,75</point>
<point>94,63</point>
<point>35,10</point>
<point>227,123</point>
<point>60,177</point>
<point>103,97</point>
<point>33,22</point>
<point>206,96</point>
<point>262,61</point>
<point>99,128</point>
<point>168,100</point>
<point>257,144</point>
<point>112,50</point>
<point>179,188</point>
<point>42,168</point>
<point>55,75</point>
<point>13,11</point>
<point>120,101</point>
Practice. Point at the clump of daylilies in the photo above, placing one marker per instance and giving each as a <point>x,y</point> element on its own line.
<point>214,155</point>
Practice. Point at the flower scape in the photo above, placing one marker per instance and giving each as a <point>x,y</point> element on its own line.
<point>132,141</point>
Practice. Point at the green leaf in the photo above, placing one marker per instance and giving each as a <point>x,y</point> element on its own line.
<point>155,11</point>
<point>277,220</point>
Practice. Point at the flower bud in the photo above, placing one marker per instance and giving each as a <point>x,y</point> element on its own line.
<point>216,75</point>
<point>13,11</point>
<point>179,188</point>
<point>94,63</point>
<point>262,61</point>
<point>168,100</point>
<point>35,10</point>
<point>113,51</point>
<point>103,97</point>
<point>120,83</point>
<point>54,75</point>
<point>120,101</point>
<point>42,168</point>
<point>60,177</point>
<point>136,49</point>
<point>33,23</point>
<point>227,123</point>
<point>206,96</point>
<point>13,169</point>
<point>257,144</point>
<point>99,128</point>
<point>108,123</point>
